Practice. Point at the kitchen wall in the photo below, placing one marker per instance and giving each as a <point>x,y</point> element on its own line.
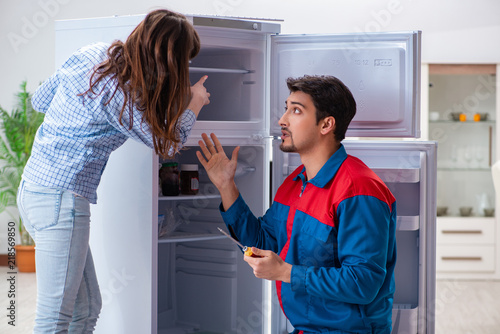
<point>453,31</point>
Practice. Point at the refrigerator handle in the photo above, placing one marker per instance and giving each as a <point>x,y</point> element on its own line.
<point>256,137</point>
<point>260,137</point>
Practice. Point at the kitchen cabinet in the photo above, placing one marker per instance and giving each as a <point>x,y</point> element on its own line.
<point>465,245</point>
<point>463,119</point>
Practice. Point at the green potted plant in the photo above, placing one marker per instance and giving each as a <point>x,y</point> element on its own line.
<point>17,133</point>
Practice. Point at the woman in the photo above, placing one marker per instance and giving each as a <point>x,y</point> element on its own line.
<point>99,98</point>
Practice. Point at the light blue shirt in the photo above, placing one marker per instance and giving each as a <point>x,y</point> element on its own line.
<point>78,134</point>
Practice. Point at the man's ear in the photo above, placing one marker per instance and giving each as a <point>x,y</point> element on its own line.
<point>327,125</point>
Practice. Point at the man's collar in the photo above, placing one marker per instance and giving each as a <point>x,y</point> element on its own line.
<point>328,171</point>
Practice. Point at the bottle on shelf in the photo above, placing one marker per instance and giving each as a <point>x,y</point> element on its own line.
<point>169,178</point>
<point>190,179</point>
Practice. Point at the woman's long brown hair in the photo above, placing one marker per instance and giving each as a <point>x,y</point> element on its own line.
<point>151,68</point>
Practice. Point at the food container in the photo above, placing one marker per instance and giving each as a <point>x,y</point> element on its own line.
<point>167,223</point>
<point>169,178</point>
<point>190,180</point>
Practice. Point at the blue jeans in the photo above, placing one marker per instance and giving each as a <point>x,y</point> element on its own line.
<point>68,297</point>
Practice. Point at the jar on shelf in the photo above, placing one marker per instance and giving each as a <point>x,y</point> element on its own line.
<point>190,180</point>
<point>169,179</point>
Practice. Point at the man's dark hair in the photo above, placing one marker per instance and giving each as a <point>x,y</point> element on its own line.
<point>331,98</point>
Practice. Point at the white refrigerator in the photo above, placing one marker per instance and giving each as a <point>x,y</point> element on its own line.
<point>193,279</point>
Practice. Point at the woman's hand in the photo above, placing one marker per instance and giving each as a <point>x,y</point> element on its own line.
<point>219,167</point>
<point>199,96</point>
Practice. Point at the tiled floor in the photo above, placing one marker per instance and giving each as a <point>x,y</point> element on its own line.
<point>468,307</point>
<point>462,307</point>
<point>24,289</point>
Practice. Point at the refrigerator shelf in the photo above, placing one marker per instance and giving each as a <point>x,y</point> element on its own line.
<point>408,223</point>
<point>201,251</point>
<point>188,197</point>
<point>185,329</point>
<point>205,267</point>
<point>185,237</point>
<point>181,329</point>
<point>175,330</point>
<point>218,70</point>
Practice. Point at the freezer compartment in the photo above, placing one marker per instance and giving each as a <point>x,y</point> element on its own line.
<point>233,59</point>
<point>235,64</point>
<point>235,81</point>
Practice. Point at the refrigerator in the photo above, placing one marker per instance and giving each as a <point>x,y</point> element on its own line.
<point>189,278</point>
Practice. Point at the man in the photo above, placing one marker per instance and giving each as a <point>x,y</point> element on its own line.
<point>328,239</point>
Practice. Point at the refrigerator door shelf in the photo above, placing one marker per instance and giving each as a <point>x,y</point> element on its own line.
<point>410,175</point>
<point>406,175</point>
<point>400,315</point>
<point>382,70</point>
<point>217,70</point>
<point>408,223</point>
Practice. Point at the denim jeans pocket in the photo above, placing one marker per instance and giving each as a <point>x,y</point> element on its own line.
<point>42,205</point>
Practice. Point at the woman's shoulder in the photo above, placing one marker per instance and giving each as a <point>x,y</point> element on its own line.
<point>89,55</point>
<point>95,51</point>
<point>94,46</point>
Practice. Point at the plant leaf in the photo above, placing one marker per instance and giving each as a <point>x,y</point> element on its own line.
<point>19,130</point>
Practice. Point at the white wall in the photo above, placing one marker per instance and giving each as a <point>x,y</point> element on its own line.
<point>453,31</point>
